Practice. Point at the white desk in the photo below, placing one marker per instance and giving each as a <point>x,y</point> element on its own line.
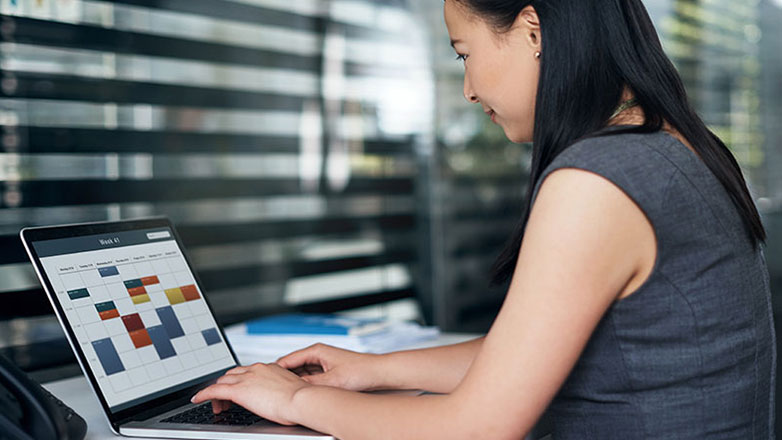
<point>76,393</point>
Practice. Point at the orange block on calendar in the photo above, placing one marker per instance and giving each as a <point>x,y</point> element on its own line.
<point>140,299</point>
<point>140,338</point>
<point>175,295</point>
<point>150,280</point>
<point>109,314</point>
<point>107,310</point>
<point>189,292</point>
<point>133,291</point>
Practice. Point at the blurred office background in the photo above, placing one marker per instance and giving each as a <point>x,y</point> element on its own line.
<point>315,155</point>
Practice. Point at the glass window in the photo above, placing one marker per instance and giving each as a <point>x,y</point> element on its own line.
<point>276,135</point>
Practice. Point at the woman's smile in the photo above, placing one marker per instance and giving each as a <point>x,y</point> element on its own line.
<point>491,114</point>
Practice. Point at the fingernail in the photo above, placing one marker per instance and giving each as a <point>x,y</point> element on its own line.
<point>192,399</point>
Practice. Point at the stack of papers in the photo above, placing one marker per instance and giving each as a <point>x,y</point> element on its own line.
<point>267,339</point>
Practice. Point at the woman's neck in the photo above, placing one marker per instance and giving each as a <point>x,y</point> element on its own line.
<point>635,116</point>
<point>629,116</point>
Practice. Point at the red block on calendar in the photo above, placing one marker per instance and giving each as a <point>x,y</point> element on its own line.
<point>132,322</point>
<point>189,292</point>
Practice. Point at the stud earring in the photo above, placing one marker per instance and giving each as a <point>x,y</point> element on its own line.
<point>537,54</point>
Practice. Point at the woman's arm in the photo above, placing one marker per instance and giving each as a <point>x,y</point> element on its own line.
<point>438,369</point>
<point>579,253</point>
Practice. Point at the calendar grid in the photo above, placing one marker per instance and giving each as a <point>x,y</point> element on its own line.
<point>139,317</point>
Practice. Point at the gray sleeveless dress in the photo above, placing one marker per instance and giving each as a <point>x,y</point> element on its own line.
<point>691,354</point>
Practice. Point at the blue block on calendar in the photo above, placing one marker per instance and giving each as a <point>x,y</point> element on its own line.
<point>108,356</point>
<point>130,284</point>
<point>161,341</point>
<point>108,271</point>
<point>211,336</point>
<point>170,322</point>
<point>78,293</point>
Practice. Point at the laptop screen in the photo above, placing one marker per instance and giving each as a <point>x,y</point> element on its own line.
<point>136,311</point>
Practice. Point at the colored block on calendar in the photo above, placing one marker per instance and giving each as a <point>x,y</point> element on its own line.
<point>140,338</point>
<point>140,290</point>
<point>132,322</point>
<point>78,293</point>
<point>107,310</point>
<point>150,280</point>
<point>170,322</point>
<point>189,292</point>
<point>140,299</point>
<point>211,336</point>
<point>175,295</point>
<point>161,341</point>
<point>129,284</point>
<point>108,356</point>
<point>108,271</point>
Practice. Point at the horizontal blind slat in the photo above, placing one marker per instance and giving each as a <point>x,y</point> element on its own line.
<point>353,302</point>
<point>76,192</point>
<point>74,88</point>
<point>92,140</point>
<point>203,235</point>
<point>240,276</point>
<point>258,14</point>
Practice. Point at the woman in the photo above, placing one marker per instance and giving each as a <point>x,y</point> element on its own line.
<point>638,305</point>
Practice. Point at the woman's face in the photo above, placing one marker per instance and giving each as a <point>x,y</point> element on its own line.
<point>500,70</point>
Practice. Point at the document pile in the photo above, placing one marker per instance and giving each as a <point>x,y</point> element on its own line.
<point>266,339</point>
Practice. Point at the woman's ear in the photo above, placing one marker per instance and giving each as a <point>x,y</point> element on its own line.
<point>528,24</point>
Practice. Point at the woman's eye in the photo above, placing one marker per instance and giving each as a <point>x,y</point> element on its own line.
<point>461,57</point>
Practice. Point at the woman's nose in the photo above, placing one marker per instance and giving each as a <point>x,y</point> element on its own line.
<point>469,95</point>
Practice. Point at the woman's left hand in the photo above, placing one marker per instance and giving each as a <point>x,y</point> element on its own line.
<point>265,389</point>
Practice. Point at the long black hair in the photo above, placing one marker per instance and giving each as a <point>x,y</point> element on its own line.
<point>592,50</point>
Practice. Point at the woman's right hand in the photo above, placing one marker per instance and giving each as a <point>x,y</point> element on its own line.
<point>322,364</point>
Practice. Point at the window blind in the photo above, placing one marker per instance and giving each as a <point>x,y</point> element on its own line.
<point>284,139</point>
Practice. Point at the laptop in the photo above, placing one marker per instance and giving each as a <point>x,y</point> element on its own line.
<point>142,329</point>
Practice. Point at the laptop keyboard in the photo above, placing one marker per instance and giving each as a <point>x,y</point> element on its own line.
<point>203,415</point>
